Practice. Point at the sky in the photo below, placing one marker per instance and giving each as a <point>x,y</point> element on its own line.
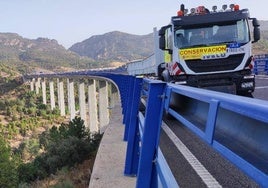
<point>72,21</point>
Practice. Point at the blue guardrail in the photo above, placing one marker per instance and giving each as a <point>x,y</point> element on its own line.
<point>261,64</point>
<point>214,111</point>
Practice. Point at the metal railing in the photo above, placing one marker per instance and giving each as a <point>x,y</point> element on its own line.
<point>208,115</point>
<point>261,64</point>
<point>147,161</point>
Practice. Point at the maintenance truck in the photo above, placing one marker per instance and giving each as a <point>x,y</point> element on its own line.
<point>210,49</point>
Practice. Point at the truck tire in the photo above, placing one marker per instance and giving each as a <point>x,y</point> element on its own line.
<point>245,94</point>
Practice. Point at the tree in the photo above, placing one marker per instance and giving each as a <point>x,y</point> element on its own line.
<point>8,166</point>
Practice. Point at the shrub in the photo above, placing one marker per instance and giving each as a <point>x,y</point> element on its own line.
<point>65,184</point>
<point>8,166</point>
<point>64,146</point>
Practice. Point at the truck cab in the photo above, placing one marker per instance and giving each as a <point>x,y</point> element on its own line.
<point>210,49</point>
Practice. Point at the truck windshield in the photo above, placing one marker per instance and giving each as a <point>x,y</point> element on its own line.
<point>212,34</point>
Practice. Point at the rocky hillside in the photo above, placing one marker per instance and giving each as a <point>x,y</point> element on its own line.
<point>115,46</point>
<point>26,54</point>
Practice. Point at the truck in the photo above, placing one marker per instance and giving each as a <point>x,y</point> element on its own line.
<point>209,49</point>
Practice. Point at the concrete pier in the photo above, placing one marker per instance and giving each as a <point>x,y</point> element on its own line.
<point>52,95</point>
<point>82,101</point>
<point>61,98</point>
<point>71,99</point>
<point>44,91</point>
<point>32,84</point>
<point>104,115</point>
<point>92,106</point>
<point>37,85</point>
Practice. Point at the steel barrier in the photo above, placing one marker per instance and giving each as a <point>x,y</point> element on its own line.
<point>261,64</point>
<point>235,126</point>
<point>147,161</point>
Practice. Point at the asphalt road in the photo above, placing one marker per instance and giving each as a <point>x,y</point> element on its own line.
<point>195,164</point>
<point>261,88</point>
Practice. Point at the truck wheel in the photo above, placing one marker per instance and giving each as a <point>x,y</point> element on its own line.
<point>245,94</point>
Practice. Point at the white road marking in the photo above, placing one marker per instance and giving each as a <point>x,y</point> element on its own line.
<point>207,178</point>
<point>261,76</point>
<point>261,87</point>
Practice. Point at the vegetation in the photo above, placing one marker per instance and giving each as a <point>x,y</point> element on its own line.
<point>31,149</point>
<point>23,115</point>
<point>8,165</point>
<point>64,146</point>
<point>58,147</point>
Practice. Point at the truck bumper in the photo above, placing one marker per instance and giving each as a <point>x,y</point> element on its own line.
<point>240,83</point>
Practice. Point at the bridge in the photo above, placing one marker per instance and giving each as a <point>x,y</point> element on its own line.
<point>159,134</point>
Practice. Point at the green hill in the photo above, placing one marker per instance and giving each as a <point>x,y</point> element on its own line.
<point>27,55</point>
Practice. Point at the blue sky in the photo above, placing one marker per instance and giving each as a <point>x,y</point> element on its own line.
<point>71,21</point>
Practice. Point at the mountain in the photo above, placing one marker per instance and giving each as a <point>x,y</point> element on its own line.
<point>28,54</point>
<point>115,46</point>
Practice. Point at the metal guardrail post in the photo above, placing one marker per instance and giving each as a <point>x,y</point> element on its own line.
<point>132,131</point>
<point>123,84</point>
<point>128,106</point>
<point>211,121</point>
<point>147,172</point>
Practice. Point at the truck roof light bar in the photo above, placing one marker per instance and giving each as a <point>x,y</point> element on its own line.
<point>200,10</point>
<point>236,7</point>
<point>214,8</point>
<point>224,7</point>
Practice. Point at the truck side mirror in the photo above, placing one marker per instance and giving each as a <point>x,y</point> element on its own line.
<point>255,22</point>
<point>162,42</point>
<point>256,34</point>
<point>256,30</point>
<point>162,31</point>
<point>162,37</point>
